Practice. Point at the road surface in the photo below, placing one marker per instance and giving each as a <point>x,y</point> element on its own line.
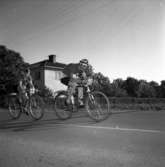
<point>126,139</point>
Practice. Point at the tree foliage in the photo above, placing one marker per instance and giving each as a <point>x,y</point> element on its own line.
<point>131,86</point>
<point>162,89</point>
<point>146,89</point>
<point>11,64</point>
<point>117,88</point>
<point>101,83</point>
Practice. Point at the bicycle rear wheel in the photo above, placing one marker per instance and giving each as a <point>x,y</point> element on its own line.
<point>61,108</point>
<point>97,106</point>
<point>36,107</point>
<point>14,107</point>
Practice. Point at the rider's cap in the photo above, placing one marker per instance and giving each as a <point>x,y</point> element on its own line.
<point>84,61</point>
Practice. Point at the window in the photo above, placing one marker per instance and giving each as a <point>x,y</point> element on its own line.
<point>58,75</point>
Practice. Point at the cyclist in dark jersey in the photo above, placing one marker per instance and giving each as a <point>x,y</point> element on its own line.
<point>75,73</point>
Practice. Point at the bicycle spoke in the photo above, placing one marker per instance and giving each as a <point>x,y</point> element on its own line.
<point>14,107</point>
<point>62,109</point>
<point>98,106</point>
<point>36,107</point>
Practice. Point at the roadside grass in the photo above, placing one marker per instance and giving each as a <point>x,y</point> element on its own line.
<point>119,103</point>
<point>128,103</point>
<point>154,104</point>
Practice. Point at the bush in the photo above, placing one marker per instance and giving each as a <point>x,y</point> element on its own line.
<point>137,103</point>
<point>47,95</point>
<point>3,101</point>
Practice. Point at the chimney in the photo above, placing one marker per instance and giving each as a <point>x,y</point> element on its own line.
<point>52,58</point>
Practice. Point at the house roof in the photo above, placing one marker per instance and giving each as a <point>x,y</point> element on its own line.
<point>47,63</point>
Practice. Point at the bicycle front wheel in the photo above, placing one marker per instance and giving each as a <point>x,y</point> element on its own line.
<point>36,107</point>
<point>61,108</point>
<point>14,107</point>
<point>97,106</point>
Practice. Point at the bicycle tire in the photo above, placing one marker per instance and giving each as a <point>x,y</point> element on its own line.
<point>61,108</point>
<point>14,107</point>
<point>36,107</point>
<point>99,109</point>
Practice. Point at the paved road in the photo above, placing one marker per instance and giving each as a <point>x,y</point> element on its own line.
<point>126,139</point>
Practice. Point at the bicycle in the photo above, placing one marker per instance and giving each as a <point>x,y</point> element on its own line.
<point>33,106</point>
<point>96,103</point>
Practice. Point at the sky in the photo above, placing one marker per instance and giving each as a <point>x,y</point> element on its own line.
<point>121,38</point>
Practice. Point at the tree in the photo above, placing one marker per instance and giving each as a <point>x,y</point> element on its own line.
<point>145,89</point>
<point>162,89</point>
<point>117,88</point>
<point>11,64</point>
<point>119,83</point>
<point>101,83</point>
<point>131,86</point>
<point>156,86</point>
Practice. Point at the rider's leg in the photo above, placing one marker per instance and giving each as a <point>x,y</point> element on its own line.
<point>23,97</point>
<point>80,95</point>
<point>71,92</point>
<point>70,99</point>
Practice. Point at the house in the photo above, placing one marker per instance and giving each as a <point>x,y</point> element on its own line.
<point>48,73</point>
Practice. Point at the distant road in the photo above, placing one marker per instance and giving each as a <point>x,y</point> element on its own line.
<point>126,139</point>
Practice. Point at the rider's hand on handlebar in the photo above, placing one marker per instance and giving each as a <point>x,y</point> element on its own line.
<point>32,90</point>
<point>74,76</point>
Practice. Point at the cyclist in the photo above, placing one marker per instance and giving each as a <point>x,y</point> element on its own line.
<point>25,86</point>
<point>74,74</point>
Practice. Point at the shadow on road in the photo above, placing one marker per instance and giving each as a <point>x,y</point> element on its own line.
<point>26,123</point>
<point>47,121</point>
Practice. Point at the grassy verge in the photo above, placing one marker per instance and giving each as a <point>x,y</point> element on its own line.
<point>128,103</point>
<point>123,103</point>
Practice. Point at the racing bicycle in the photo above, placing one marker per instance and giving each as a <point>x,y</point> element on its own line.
<point>33,105</point>
<point>96,103</point>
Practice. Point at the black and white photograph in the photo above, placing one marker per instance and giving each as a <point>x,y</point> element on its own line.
<point>82,83</point>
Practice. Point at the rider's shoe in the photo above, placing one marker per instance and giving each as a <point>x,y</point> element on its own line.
<point>81,103</point>
<point>26,110</point>
<point>74,109</point>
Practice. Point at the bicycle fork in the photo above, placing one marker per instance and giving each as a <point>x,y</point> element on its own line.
<point>95,105</point>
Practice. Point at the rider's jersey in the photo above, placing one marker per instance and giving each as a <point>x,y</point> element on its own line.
<point>75,69</point>
<point>26,82</point>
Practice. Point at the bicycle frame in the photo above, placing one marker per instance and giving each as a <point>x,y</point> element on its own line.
<point>33,105</point>
<point>82,91</point>
<point>26,102</point>
<point>91,103</point>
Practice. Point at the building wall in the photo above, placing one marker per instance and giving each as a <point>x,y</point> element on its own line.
<point>38,76</point>
<point>52,79</point>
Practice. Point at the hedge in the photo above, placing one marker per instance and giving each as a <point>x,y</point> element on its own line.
<point>137,103</point>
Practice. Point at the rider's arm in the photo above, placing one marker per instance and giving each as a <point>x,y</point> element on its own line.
<point>73,76</point>
<point>89,74</point>
<point>32,88</point>
<point>31,84</point>
<point>30,80</point>
<point>21,84</point>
